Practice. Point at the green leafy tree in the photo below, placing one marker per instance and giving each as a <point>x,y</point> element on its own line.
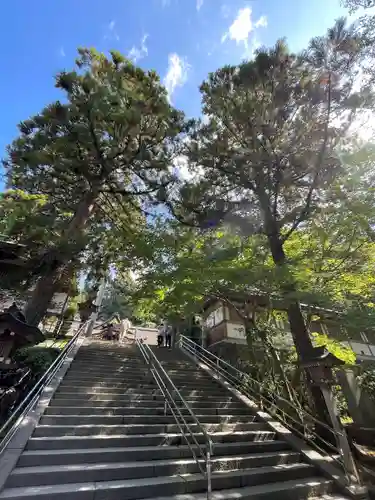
<point>31,221</point>
<point>112,138</point>
<point>118,296</point>
<point>267,151</point>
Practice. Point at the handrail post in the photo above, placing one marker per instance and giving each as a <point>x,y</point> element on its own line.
<point>208,472</point>
<point>170,392</point>
<point>241,379</point>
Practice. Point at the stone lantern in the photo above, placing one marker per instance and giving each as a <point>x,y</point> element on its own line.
<point>320,363</point>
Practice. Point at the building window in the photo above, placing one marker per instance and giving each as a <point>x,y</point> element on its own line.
<point>215,317</point>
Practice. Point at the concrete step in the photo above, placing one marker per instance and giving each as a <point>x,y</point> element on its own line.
<point>159,439</point>
<point>136,489</point>
<point>149,386</point>
<point>139,419</point>
<point>103,384</point>
<point>103,408</point>
<point>300,489</point>
<point>121,371</point>
<point>114,471</point>
<point>146,389</point>
<point>137,429</point>
<point>103,359</point>
<point>70,389</point>
<point>154,396</point>
<point>68,399</point>
<point>109,361</point>
<point>151,390</point>
<point>111,375</point>
<point>104,436</point>
<point>141,381</point>
<point>132,375</point>
<point>140,453</point>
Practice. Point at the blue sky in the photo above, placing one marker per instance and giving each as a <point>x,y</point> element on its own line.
<point>182,39</point>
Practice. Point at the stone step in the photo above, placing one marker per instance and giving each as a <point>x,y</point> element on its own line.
<point>153,396</point>
<point>151,390</point>
<point>69,389</point>
<point>109,363</point>
<point>139,419</point>
<point>137,429</point>
<point>63,399</point>
<point>96,441</point>
<point>121,372</point>
<point>104,436</point>
<point>141,380</point>
<point>92,408</point>
<point>124,377</point>
<point>129,366</point>
<point>145,385</point>
<point>300,489</point>
<point>144,389</point>
<point>151,487</point>
<point>140,453</point>
<point>114,471</point>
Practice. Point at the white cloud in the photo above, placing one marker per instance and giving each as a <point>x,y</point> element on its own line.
<point>242,26</point>
<point>137,53</point>
<point>262,22</point>
<point>177,73</point>
<point>111,32</point>
<point>199,4</point>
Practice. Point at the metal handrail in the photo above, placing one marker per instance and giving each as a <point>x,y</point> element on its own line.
<point>238,380</point>
<point>163,380</point>
<point>32,397</point>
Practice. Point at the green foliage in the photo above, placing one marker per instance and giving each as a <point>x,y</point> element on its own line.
<point>103,155</point>
<point>118,298</point>
<point>38,359</point>
<point>340,351</point>
<point>367,382</point>
<point>283,205</point>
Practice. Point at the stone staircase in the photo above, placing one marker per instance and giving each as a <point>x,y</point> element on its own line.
<point>104,436</point>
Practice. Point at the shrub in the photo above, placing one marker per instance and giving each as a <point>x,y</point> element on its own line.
<point>38,359</point>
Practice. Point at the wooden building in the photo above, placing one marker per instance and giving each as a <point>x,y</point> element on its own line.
<point>223,323</point>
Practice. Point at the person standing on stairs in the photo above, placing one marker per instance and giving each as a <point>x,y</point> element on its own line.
<point>125,326</point>
<point>161,334</point>
<point>168,335</point>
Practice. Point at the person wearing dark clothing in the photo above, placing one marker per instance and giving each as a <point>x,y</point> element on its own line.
<point>160,335</point>
<point>168,339</point>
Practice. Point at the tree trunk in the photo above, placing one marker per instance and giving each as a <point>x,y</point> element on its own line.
<point>48,285</point>
<point>297,323</point>
<point>300,335</point>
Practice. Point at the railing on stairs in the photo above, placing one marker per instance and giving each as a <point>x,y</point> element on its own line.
<point>297,419</point>
<point>10,427</point>
<point>176,402</point>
